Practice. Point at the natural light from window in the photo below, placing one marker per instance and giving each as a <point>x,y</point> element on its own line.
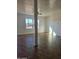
<point>51,31</point>
<point>29,23</point>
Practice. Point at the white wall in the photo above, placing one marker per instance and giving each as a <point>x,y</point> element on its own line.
<point>21,26</point>
<point>41,24</point>
<point>54,21</point>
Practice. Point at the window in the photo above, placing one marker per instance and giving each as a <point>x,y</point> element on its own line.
<point>29,23</point>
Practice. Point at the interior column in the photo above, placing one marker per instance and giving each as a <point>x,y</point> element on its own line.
<point>36,22</point>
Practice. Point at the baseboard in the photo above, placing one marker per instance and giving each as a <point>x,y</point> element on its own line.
<point>32,33</point>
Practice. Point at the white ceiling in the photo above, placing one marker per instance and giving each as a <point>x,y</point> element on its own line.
<point>45,7</point>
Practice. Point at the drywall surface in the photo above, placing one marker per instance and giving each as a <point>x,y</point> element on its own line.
<point>54,21</point>
<point>21,25</point>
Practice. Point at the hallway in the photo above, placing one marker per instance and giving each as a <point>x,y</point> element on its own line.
<point>49,47</point>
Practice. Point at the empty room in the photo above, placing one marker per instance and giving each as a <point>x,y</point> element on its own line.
<point>39,29</point>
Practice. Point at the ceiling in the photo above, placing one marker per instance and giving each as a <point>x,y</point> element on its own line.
<point>45,7</point>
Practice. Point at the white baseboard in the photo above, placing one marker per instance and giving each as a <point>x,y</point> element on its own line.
<point>30,33</point>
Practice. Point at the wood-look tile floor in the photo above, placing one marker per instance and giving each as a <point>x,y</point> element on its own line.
<point>49,47</point>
